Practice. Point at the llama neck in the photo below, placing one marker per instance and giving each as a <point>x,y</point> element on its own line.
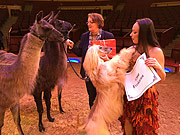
<point>29,44</point>
<point>51,51</point>
<point>27,63</point>
<point>54,61</point>
<point>54,53</point>
<point>30,50</point>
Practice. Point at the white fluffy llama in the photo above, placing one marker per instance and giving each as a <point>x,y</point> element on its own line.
<point>18,73</point>
<point>108,78</point>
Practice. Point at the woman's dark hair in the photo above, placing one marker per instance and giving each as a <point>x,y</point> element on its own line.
<point>147,35</point>
<point>97,18</point>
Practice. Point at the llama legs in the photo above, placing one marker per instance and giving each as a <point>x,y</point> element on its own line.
<point>15,110</point>
<point>38,100</point>
<point>1,119</point>
<point>59,99</point>
<point>47,96</point>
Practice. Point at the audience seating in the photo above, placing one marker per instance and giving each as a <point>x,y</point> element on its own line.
<point>13,43</point>
<point>174,60</point>
<point>116,21</point>
<point>166,37</point>
<point>123,42</point>
<point>3,15</point>
<point>119,44</point>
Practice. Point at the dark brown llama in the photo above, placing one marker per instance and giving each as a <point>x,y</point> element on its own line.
<point>52,71</point>
<point>18,73</point>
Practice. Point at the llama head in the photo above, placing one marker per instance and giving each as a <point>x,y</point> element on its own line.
<point>104,50</point>
<point>44,30</point>
<point>126,54</point>
<point>124,57</point>
<point>92,59</point>
<point>62,26</point>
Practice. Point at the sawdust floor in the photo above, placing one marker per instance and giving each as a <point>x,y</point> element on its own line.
<point>75,105</point>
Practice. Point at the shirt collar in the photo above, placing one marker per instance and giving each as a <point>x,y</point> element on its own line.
<point>98,35</point>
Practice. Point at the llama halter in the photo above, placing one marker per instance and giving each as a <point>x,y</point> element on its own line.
<point>43,38</point>
<point>86,78</point>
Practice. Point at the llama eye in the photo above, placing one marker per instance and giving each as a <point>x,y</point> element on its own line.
<point>59,25</point>
<point>59,22</point>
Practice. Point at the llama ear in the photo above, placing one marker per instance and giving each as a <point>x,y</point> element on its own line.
<point>39,16</point>
<point>52,19</point>
<point>57,15</point>
<point>49,16</point>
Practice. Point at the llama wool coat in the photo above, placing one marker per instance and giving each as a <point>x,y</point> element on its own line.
<point>83,46</point>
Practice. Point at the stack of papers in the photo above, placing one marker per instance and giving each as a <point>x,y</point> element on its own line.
<point>140,79</point>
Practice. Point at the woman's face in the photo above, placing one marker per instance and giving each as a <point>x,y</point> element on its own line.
<point>135,33</point>
<point>92,26</point>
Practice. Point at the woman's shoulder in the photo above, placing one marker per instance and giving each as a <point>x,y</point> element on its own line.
<point>85,33</point>
<point>107,33</point>
<point>155,50</point>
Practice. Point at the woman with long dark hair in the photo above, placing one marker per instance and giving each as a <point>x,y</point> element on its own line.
<point>141,115</point>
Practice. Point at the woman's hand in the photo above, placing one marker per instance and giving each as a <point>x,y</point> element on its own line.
<point>156,61</point>
<point>152,62</point>
<point>70,43</point>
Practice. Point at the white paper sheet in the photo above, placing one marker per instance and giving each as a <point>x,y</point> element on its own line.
<point>140,79</point>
